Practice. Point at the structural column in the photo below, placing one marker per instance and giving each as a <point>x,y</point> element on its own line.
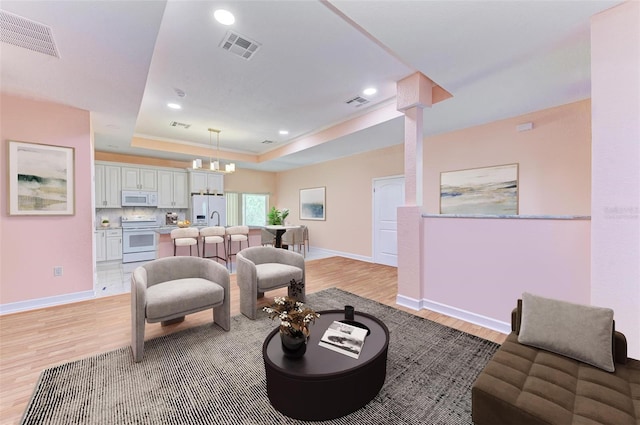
<point>414,93</point>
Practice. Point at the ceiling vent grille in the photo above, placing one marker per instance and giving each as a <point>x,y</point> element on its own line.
<point>239,45</point>
<point>179,124</point>
<point>357,101</point>
<point>31,35</point>
<point>267,142</point>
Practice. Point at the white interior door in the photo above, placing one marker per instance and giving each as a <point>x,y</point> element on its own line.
<point>388,195</point>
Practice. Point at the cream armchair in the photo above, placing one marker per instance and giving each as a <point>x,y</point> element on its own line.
<point>264,268</point>
<point>167,289</point>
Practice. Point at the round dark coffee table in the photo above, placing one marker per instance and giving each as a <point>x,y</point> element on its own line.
<point>324,384</point>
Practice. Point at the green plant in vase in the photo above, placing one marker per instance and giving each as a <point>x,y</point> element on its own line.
<point>276,216</point>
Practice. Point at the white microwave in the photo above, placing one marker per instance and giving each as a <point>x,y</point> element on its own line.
<point>135,198</point>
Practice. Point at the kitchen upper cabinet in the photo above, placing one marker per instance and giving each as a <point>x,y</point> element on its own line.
<point>107,180</point>
<point>204,182</point>
<point>134,178</point>
<point>172,189</point>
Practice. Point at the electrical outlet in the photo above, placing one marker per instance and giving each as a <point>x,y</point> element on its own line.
<point>57,271</point>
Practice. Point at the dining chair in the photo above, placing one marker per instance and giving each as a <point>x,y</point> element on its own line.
<point>305,236</point>
<point>294,237</point>
<point>267,237</point>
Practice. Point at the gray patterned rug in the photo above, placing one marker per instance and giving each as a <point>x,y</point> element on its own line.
<point>207,376</point>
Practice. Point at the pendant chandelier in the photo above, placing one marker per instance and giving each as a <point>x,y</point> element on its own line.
<point>215,165</point>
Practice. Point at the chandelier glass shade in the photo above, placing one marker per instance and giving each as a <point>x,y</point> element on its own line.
<point>214,165</point>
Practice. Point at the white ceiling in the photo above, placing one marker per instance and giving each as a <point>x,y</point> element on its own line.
<point>124,60</point>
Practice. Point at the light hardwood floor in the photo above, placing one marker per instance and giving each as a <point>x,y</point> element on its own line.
<point>34,340</point>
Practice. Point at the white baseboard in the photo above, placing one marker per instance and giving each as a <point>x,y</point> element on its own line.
<point>467,316</point>
<point>45,302</point>
<point>330,252</point>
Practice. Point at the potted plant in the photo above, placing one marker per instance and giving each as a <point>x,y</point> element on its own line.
<point>104,222</point>
<point>276,216</point>
<point>295,319</point>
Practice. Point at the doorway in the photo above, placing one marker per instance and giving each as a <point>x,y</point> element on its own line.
<point>388,195</point>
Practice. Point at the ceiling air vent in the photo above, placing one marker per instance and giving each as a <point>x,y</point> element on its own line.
<point>240,45</point>
<point>357,101</point>
<point>179,124</point>
<point>28,34</point>
<point>267,142</point>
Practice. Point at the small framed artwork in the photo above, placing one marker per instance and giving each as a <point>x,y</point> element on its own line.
<point>487,191</point>
<point>312,204</point>
<point>41,179</point>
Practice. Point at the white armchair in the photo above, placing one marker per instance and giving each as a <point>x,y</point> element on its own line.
<point>167,289</point>
<point>264,268</point>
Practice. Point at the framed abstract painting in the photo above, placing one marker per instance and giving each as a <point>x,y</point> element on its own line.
<point>312,204</point>
<point>485,191</point>
<point>41,179</point>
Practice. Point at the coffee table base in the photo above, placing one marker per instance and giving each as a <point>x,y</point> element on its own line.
<point>323,399</point>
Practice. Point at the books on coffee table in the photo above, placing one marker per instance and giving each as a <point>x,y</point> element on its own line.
<point>344,338</point>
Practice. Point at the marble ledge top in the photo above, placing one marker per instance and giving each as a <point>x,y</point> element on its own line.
<point>521,217</point>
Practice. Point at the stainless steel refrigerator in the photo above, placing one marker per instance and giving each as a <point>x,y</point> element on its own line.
<point>208,210</point>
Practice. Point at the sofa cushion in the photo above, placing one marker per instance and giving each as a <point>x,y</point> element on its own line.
<point>577,331</point>
<point>276,275</point>
<point>181,295</point>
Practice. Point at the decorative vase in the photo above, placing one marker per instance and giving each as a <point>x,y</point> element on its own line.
<point>293,346</point>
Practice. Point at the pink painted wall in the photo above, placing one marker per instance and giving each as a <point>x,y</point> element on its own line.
<point>32,245</point>
<point>615,86</point>
<point>554,158</point>
<point>484,265</point>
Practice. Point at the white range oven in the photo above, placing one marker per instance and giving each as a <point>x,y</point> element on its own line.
<point>139,238</point>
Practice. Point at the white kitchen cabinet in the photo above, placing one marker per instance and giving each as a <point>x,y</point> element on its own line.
<point>108,244</point>
<point>101,245</point>
<point>172,189</point>
<point>114,244</point>
<point>107,186</point>
<point>135,178</point>
<point>206,182</point>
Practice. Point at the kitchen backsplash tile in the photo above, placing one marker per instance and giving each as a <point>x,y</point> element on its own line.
<point>114,214</point>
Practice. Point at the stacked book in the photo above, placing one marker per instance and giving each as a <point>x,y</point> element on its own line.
<point>344,338</point>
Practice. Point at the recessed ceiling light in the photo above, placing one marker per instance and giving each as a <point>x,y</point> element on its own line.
<point>284,132</point>
<point>174,106</point>
<point>369,91</point>
<point>224,17</point>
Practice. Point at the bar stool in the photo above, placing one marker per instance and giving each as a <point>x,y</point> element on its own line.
<point>237,234</point>
<point>187,236</point>
<point>215,235</point>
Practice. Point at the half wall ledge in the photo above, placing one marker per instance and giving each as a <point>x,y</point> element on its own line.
<point>522,217</point>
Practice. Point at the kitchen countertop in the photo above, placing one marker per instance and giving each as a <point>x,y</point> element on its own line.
<point>112,227</point>
<point>165,230</point>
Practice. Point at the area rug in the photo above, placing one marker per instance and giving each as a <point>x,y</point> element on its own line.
<point>204,375</point>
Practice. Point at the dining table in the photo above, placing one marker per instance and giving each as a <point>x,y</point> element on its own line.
<point>280,229</point>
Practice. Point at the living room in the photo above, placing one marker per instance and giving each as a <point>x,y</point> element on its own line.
<point>566,169</point>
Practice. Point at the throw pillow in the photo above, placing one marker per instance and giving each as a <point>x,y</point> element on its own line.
<point>577,331</point>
